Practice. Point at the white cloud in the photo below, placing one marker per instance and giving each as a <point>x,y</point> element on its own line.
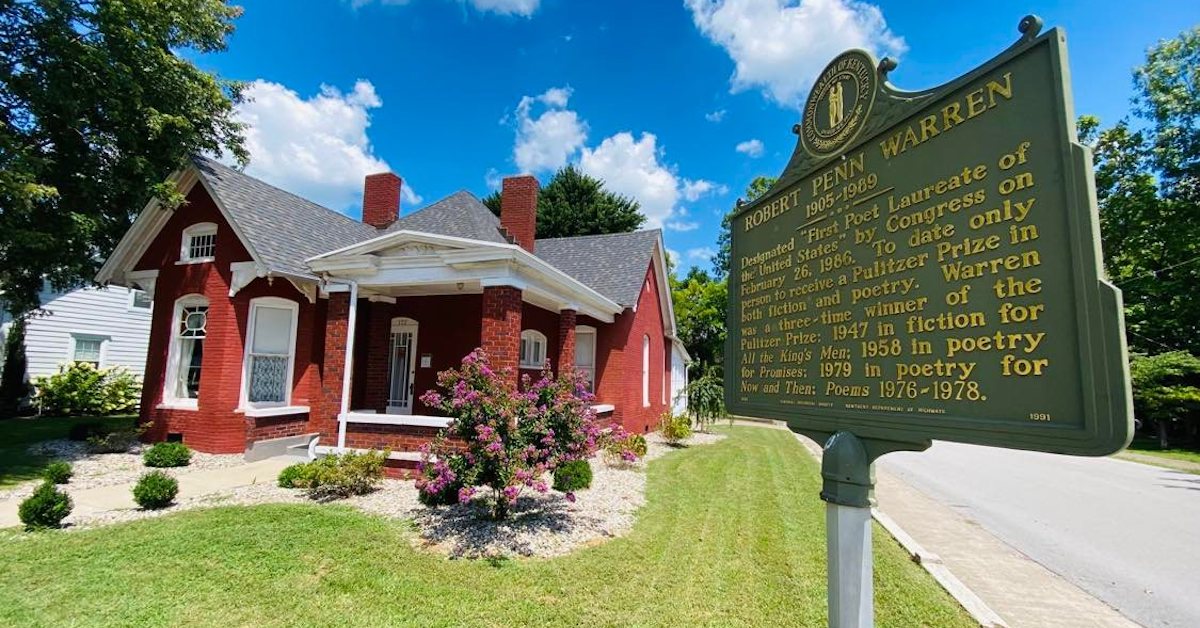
<point>701,254</point>
<point>524,8</point>
<point>694,190</point>
<point>715,116</point>
<point>549,140</point>
<point>779,46</point>
<point>682,225</point>
<point>752,148</point>
<point>315,147</point>
<point>631,167</point>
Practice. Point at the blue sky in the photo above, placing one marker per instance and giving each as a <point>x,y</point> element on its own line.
<point>678,103</point>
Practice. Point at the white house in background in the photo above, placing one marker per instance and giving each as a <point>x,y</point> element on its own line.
<point>679,376</point>
<point>105,326</point>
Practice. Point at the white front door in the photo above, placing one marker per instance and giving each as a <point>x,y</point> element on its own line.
<point>402,366</point>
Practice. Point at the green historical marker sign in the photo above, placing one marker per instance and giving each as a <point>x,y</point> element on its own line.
<point>928,266</point>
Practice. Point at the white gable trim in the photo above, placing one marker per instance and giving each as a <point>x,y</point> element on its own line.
<point>149,223</point>
<point>659,261</point>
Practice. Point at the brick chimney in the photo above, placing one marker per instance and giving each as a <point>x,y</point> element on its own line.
<point>381,199</point>
<point>518,209</point>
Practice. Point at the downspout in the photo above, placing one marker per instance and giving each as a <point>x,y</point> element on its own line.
<point>348,369</point>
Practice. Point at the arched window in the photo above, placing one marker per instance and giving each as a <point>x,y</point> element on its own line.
<point>189,330</point>
<point>199,243</point>
<point>270,352</point>
<point>585,353</point>
<point>645,371</point>
<point>533,349</point>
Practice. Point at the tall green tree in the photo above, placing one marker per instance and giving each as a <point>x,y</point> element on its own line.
<point>575,204</point>
<point>757,187</point>
<point>700,305</point>
<point>97,108</point>
<point>13,387</point>
<point>1147,186</point>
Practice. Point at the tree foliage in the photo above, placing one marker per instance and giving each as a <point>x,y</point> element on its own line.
<point>1146,183</point>
<point>13,387</point>
<point>1166,390</point>
<point>575,204</point>
<point>700,305</point>
<point>757,187</point>
<point>97,109</point>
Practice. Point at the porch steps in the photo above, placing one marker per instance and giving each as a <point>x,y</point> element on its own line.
<point>283,446</point>
<point>406,456</point>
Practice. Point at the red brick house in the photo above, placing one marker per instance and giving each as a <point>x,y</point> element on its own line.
<point>277,320</point>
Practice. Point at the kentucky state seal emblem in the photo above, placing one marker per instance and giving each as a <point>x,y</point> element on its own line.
<point>839,103</point>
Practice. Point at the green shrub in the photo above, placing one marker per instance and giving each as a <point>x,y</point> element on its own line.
<point>117,441</point>
<point>82,389</point>
<point>342,475</point>
<point>621,447</point>
<point>58,472</point>
<point>83,431</point>
<point>573,476</point>
<point>13,387</point>
<point>167,455</point>
<point>706,398</point>
<point>46,508</point>
<point>155,490</point>
<point>293,476</point>
<point>676,428</point>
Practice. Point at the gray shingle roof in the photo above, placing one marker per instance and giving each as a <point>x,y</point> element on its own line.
<point>613,265</point>
<point>460,215</point>
<point>284,229</point>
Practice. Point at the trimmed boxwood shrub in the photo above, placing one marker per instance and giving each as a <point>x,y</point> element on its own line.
<point>573,476</point>
<point>58,472</point>
<point>155,490</point>
<point>167,455</point>
<point>293,476</point>
<point>342,475</point>
<point>46,508</point>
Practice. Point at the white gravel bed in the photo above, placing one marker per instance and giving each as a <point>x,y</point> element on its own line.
<point>540,524</point>
<point>96,470</point>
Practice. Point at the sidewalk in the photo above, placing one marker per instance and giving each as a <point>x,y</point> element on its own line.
<point>1021,591</point>
<point>193,484</point>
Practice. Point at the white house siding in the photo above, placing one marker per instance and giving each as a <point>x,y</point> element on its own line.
<point>679,378</point>
<point>101,313</point>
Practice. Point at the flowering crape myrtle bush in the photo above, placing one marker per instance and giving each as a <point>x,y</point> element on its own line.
<point>509,439</point>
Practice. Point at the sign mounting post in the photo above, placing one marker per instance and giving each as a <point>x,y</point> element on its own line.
<point>927,267</point>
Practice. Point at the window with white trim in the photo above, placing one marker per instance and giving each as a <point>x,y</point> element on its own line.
<point>88,349</point>
<point>270,352</point>
<point>189,330</point>
<point>585,353</point>
<point>199,243</point>
<point>645,371</point>
<point>533,349</point>
<point>139,300</point>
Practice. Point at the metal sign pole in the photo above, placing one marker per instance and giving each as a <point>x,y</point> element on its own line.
<point>848,482</point>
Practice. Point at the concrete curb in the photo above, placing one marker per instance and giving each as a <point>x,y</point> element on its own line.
<point>930,562</point>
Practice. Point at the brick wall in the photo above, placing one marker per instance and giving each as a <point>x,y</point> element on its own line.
<point>500,335</point>
<point>263,428</point>
<point>328,402</point>
<point>213,426</point>
<point>619,360</point>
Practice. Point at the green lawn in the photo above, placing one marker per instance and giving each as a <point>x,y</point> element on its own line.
<point>16,435</point>
<point>733,534</point>
<point>1150,448</point>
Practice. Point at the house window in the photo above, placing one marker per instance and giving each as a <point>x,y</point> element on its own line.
<point>189,332</point>
<point>139,300</point>
<point>645,371</point>
<point>585,353</point>
<point>199,243</point>
<point>270,352</point>
<point>88,349</point>
<point>533,349</point>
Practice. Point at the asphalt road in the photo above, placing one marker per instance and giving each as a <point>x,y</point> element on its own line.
<point>1125,532</point>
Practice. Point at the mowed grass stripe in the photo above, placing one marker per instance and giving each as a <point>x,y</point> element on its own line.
<point>732,534</point>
